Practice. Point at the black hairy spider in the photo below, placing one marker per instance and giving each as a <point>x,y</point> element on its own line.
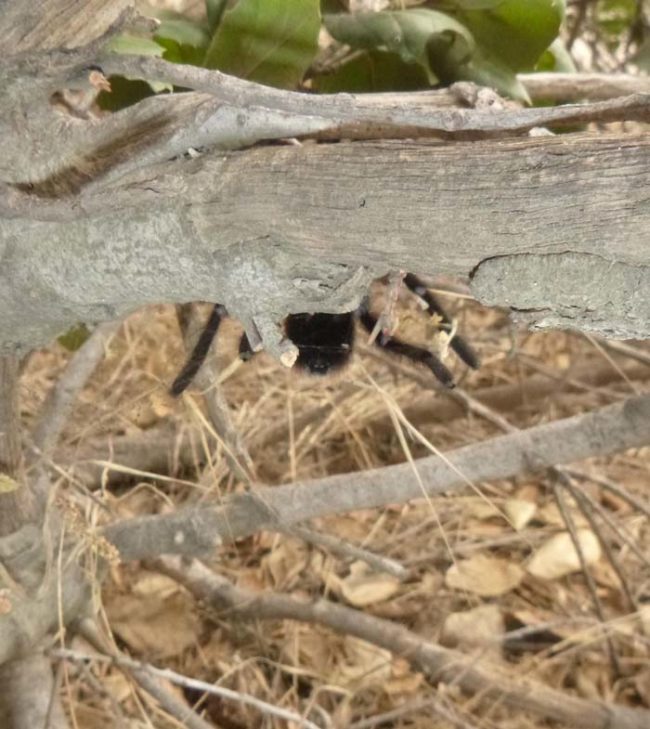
<point>325,341</point>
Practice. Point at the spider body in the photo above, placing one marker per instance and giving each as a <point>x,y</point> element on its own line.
<point>325,341</point>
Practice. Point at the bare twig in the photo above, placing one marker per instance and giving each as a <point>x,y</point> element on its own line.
<point>28,695</point>
<point>9,416</point>
<point>627,350</point>
<point>194,531</point>
<point>430,408</point>
<point>589,508</point>
<point>17,505</point>
<point>146,675</point>
<point>591,585</point>
<point>437,706</point>
<point>346,550</point>
<point>237,456</point>
<point>389,114</point>
<point>576,27</point>
<point>576,86</point>
<point>57,407</point>
<point>150,450</point>
<point>439,664</point>
<point>642,506</point>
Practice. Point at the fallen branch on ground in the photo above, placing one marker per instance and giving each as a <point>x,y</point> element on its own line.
<point>438,663</point>
<point>197,531</point>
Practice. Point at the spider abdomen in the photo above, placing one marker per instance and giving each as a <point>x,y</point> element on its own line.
<point>324,341</point>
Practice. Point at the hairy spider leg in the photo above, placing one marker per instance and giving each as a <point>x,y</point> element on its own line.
<point>245,349</point>
<point>324,341</point>
<point>410,351</point>
<point>200,351</point>
<point>458,344</point>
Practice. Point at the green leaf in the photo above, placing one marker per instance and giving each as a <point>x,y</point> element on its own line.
<point>74,337</point>
<point>272,43</point>
<point>477,4</point>
<point>124,91</point>
<point>442,46</point>
<point>404,32</point>
<point>516,32</point>
<point>556,58</point>
<point>185,32</point>
<point>614,17</point>
<point>214,10</point>
<point>135,45</point>
<point>182,53</point>
<point>487,71</point>
<point>373,71</point>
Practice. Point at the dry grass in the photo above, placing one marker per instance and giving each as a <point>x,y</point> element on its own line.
<point>556,636</point>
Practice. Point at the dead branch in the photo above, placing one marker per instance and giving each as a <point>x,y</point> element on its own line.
<point>149,676</point>
<point>439,664</point>
<point>149,451</point>
<point>56,408</point>
<point>29,695</point>
<point>236,454</point>
<point>563,87</point>
<point>17,506</point>
<point>197,531</point>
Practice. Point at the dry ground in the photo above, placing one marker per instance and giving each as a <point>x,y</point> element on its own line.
<point>485,567</point>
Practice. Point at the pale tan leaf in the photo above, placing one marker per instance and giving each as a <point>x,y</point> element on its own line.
<point>285,561</point>
<point>157,617</point>
<point>363,587</point>
<point>365,665</point>
<point>485,576</point>
<point>550,514</point>
<point>519,512</point>
<point>481,627</point>
<point>557,556</point>
<point>7,484</point>
<point>403,684</point>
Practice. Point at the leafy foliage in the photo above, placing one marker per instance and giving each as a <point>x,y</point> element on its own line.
<point>269,42</point>
<point>74,337</point>
<point>483,41</point>
<point>276,43</point>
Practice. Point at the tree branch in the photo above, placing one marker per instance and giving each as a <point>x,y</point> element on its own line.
<point>223,226</point>
<point>198,531</point>
<point>439,664</point>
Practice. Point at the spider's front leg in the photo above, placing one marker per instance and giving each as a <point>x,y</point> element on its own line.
<point>397,346</point>
<point>200,351</point>
<point>462,348</point>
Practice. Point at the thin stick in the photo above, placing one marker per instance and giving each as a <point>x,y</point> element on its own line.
<point>632,500</point>
<point>57,407</point>
<point>607,430</point>
<point>237,456</point>
<point>349,551</point>
<point>626,350</point>
<point>438,663</point>
<point>587,507</point>
<point>139,670</point>
<point>591,585</point>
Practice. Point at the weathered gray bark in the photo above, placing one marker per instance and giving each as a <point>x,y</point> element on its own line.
<point>103,216</point>
<point>557,227</point>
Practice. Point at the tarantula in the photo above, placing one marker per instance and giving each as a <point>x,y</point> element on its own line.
<point>325,341</point>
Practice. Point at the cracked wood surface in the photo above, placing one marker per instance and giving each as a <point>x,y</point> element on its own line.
<point>557,229</point>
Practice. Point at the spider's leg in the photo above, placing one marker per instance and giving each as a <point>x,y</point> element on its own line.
<point>464,350</point>
<point>245,349</point>
<point>200,351</point>
<point>416,354</point>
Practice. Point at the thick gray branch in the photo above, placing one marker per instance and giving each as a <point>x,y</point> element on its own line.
<point>557,225</point>
<point>193,531</point>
